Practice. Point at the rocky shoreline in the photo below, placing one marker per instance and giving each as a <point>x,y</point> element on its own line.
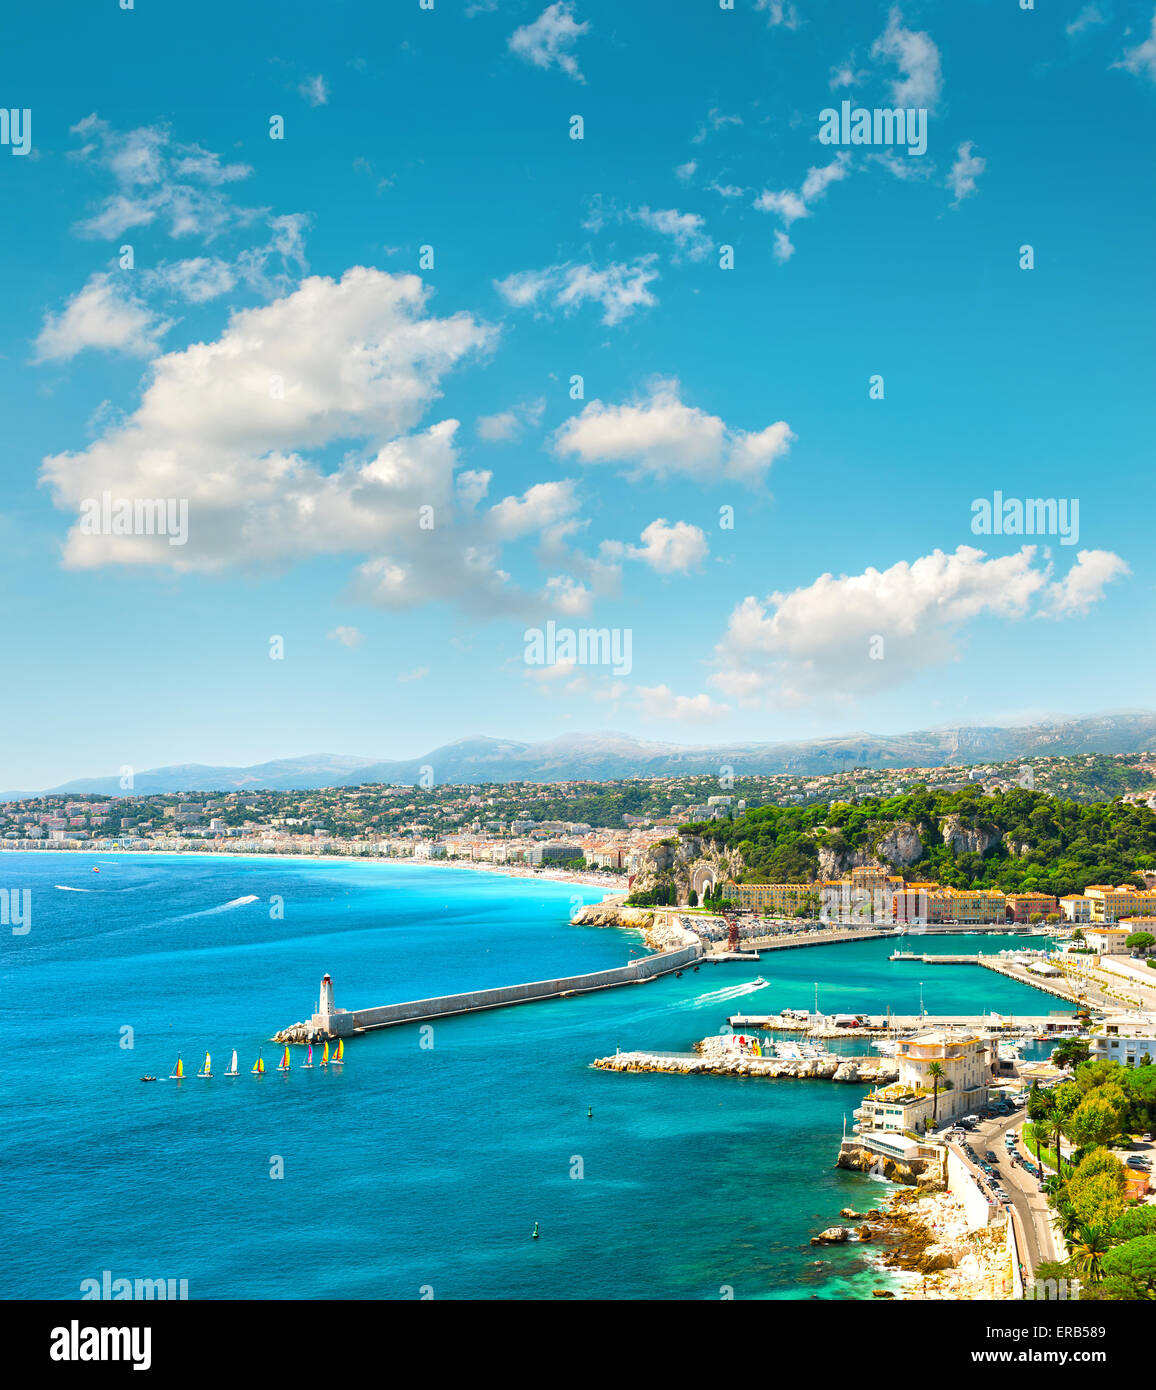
<point>720,1063</point>
<point>923,1234</point>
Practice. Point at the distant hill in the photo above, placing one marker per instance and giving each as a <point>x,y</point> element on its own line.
<point>609,756</point>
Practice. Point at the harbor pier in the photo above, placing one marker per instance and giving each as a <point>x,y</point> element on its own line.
<point>332,1022</point>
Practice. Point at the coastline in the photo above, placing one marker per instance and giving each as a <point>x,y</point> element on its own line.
<point>588,879</point>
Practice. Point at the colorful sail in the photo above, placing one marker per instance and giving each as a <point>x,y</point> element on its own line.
<point>325,1054</point>
<point>284,1064</point>
<point>308,1062</point>
<point>206,1070</point>
<point>259,1066</point>
<point>178,1071</point>
<point>339,1055</point>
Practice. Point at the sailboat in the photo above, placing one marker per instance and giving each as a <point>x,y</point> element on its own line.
<point>231,1069</point>
<point>206,1070</point>
<point>325,1054</point>
<point>309,1060</point>
<point>259,1067</point>
<point>178,1072</point>
<point>283,1064</point>
<point>339,1055</point>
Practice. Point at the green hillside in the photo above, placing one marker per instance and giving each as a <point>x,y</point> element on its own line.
<point>1063,846</point>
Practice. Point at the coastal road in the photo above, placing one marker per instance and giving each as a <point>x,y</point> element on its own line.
<point>1021,1187</point>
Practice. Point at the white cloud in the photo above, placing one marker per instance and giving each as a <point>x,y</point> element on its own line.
<point>1088,16</point>
<point>685,172</point>
<point>160,182</point>
<point>102,315</point>
<point>817,640</point>
<point>715,120</point>
<point>779,12</point>
<point>684,228</point>
<point>347,636</point>
<point>551,39</point>
<point>659,702</point>
<point>315,91</point>
<point>916,57</point>
<point>417,674</point>
<point>508,424</point>
<point>540,506</point>
<point>1084,583</point>
<point>1142,58</point>
<point>618,287</point>
<point>668,548</point>
<point>789,206</point>
<point>964,172</point>
<point>726,190</point>
<point>844,75</point>
<point>784,247</point>
<point>659,436</point>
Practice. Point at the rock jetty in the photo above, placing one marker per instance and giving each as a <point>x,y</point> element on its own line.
<point>719,1062</point>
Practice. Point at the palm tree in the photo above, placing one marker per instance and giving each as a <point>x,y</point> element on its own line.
<point>1068,1221</point>
<point>1088,1252</point>
<point>935,1071</point>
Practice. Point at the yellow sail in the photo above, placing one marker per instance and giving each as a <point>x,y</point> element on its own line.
<point>325,1054</point>
<point>258,1066</point>
<point>285,1060</point>
<point>206,1070</point>
<point>339,1055</point>
<point>177,1072</point>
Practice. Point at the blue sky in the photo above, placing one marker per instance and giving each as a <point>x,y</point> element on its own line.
<point>278,356</point>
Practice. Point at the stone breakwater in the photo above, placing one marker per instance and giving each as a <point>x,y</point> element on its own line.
<point>718,1062</point>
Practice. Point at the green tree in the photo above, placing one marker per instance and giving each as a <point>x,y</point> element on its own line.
<point>1070,1053</point>
<point>1097,1120</point>
<point>1142,941</point>
<point>936,1072</point>
<point>1090,1247</point>
<point>1129,1271</point>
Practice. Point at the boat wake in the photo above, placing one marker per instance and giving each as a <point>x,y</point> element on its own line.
<point>723,996</point>
<point>222,907</point>
<point>65,888</point>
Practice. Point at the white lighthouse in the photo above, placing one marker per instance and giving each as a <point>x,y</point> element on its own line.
<point>325,998</point>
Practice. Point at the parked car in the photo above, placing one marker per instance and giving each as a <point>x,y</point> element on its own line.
<point>991,1156</point>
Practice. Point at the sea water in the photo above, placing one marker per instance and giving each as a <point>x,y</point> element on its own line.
<point>421,1167</point>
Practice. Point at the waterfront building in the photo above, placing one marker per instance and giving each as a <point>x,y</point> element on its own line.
<point>1021,907</point>
<point>779,899</point>
<point>865,895</point>
<point>908,1103</point>
<point>1110,903</point>
<point>1126,1038</point>
<point>1076,908</point>
<point>1107,941</point>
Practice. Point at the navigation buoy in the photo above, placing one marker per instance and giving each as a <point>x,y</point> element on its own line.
<point>535,1235</point>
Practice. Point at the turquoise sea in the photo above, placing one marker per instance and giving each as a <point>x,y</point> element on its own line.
<point>415,1169</point>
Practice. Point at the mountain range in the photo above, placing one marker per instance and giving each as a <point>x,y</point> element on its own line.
<point>609,756</point>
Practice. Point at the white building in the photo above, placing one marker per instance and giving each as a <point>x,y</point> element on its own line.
<point>1124,1038</point>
